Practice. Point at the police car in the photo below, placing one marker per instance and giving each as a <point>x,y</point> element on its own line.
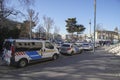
<point>21,52</point>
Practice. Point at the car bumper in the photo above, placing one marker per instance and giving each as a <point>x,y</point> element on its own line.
<point>65,52</point>
<point>87,48</point>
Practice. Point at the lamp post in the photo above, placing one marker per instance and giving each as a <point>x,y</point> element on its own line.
<point>94,23</point>
<point>90,28</point>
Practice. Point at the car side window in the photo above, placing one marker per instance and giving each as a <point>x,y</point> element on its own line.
<point>49,45</point>
<point>28,46</point>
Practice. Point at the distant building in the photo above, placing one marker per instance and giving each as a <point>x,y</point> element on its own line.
<point>105,35</point>
<point>71,36</point>
<point>75,37</point>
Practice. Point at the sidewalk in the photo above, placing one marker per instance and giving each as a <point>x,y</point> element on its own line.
<point>106,65</point>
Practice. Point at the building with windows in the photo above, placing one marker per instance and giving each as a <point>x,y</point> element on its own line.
<point>105,35</point>
<point>100,35</point>
<point>76,37</point>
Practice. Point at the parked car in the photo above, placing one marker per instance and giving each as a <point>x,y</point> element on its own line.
<point>58,46</point>
<point>96,44</point>
<point>79,45</point>
<point>69,48</point>
<point>20,52</point>
<point>87,46</point>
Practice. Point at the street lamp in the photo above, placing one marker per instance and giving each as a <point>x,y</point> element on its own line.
<point>90,27</point>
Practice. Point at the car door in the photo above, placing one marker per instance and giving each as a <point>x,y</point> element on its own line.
<point>48,50</point>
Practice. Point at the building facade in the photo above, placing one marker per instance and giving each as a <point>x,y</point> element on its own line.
<point>107,35</point>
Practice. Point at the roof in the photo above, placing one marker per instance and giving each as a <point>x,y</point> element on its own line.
<point>107,31</point>
<point>25,40</point>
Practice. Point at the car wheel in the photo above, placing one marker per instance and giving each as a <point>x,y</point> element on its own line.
<point>80,51</point>
<point>55,56</point>
<point>72,53</point>
<point>22,63</point>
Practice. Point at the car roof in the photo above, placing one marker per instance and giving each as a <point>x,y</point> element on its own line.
<point>68,43</point>
<point>26,40</point>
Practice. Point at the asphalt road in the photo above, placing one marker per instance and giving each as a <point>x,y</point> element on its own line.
<point>86,66</point>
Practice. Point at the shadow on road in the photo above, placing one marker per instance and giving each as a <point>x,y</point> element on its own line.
<point>86,66</point>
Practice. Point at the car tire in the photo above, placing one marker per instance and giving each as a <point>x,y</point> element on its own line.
<point>72,53</point>
<point>55,56</point>
<point>80,52</point>
<point>22,63</point>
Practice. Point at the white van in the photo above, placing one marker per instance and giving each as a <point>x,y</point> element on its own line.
<point>21,52</point>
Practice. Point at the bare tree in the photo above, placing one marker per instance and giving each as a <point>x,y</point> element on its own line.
<point>6,11</point>
<point>48,23</point>
<point>99,27</point>
<point>30,22</point>
<point>27,3</point>
<point>33,16</point>
<point>40,31</point>
<point>56,30</point>
<point>33,20</point>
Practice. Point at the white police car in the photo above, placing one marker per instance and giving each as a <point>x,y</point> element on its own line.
<point>21,52</point>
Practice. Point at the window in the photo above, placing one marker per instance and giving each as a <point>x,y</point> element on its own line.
<point>49,45</point>
<point>28,46</point>
<point>25,44</point>
<point>36,45</point>
<point>20,44</point>
<point>33,43</point>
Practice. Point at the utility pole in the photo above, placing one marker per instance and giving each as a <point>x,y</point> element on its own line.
<point>94,23</point>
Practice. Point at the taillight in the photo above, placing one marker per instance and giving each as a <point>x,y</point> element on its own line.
<point>68,48</point>
<point>12,50</point>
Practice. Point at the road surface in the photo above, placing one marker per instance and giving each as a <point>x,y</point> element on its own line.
<point>85,66</point>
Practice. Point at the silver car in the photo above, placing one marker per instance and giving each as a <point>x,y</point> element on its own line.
<point>87,46</point>
<point>79,45</point>
<point>69,48</point>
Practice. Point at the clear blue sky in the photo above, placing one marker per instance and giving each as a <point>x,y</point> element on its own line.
<point>108,12</point>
